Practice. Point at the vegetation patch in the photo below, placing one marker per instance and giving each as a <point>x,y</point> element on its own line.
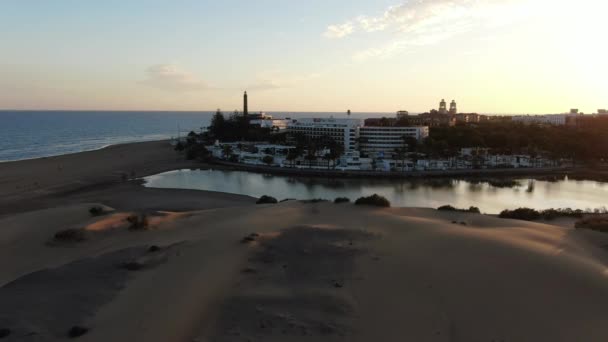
<point>528,214</point>
<point>132,265</point>
<point>138,222</point>
<point>250,238</point>
<point>451,208</point>
<point>71,235</point>
<point>315,200</point>
<point>267,200</point>
<point>342,200</point>
<point>4,332</point>
<point>77,331</point>
<point>597,223</point>
<point>96,211</point>
<point>374,200</point>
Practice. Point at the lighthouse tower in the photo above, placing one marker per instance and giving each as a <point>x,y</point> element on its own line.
<point>245,111</point>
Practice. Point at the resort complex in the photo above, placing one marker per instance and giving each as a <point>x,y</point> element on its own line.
<point>402,143</point>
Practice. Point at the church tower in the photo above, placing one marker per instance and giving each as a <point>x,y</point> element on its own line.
<point>443,109</point>
<point>453,109</point>
<point>245,111</point>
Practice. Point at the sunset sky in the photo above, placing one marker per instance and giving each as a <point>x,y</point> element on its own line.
<point>491,56</point>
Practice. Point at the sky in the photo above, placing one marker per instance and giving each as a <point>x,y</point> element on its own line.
<point>491,56</point>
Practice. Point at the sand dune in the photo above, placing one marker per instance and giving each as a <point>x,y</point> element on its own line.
<point>210,266</point>
<point>319,272</point>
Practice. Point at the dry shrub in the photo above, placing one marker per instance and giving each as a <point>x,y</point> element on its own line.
<point>597,223</point>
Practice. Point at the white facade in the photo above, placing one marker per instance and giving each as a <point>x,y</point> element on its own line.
<point>383,141</point>
<point>554,119</point>
<point>344,131</point>
<point>276,124</point>
<point>248,153</point>
<point>353,161</point>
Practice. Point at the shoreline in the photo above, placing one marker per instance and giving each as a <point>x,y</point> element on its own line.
<point>42,180</point>
<point>83,151</point>
<point>601,172</point>
<point>472,173</point>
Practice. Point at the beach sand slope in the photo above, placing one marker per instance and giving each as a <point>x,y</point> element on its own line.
<point>300,272</point>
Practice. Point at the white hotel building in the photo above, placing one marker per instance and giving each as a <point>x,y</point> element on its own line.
<point>370,140</point>
<point>551,119</point>
<point>344,131</point>
<point>383,141</point>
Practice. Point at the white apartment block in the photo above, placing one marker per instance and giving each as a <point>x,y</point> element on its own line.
<point>276,124</point>
<point>383,141</point>
<point>553,119</point>
<point>344,131</point>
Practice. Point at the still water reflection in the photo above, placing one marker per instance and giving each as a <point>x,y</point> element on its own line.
<point>490,197</point>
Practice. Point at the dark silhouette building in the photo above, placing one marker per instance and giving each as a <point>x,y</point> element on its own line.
<point>245,111</point>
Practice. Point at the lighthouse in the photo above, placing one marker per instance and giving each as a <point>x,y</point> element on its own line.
<point>245,111</point>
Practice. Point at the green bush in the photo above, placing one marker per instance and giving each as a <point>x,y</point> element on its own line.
<point>96,211</point>
<point>71,235</point>
<point>138,222</point>
<point>375,200</point>
<point>315,200</point>
<point>526,214</point>
<point>4,332</point>
<point>267,200</point>
<point>77,331</point>
<point>342,200</point>
<point>451,208</point>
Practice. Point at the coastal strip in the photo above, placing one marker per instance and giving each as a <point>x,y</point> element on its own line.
<point>24,182</point>
<point>334,173</point>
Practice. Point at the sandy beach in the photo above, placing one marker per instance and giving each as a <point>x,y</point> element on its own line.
<point>96,175</point>
<point>212,266</point>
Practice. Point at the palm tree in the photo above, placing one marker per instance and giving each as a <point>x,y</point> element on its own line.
<point>268,160</point>
<point>227,151</point>
<point>292,155</point>
<point>327,157</point>
<point>401,154</point>
<point>311,154</point>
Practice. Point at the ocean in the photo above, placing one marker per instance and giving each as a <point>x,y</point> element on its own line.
<point>35,134</point>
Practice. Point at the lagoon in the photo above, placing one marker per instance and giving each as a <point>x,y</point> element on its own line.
<point>491,199</point>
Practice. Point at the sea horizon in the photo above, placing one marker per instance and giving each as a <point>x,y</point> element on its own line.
<point>32,134</point>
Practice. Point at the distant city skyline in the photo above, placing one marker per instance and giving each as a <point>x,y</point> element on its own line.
<point>491,56</point>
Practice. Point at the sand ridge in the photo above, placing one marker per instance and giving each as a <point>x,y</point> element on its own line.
<point>343,273</point>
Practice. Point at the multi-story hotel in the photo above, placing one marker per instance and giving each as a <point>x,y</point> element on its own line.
<point>344,131</point>
<point>382,142</point>
<point>354,135</point>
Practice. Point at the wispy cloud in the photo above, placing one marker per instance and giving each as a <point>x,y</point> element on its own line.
<point>422,22</point>
<point>271,80</point>
<point>171,77</point>
<point>339,31</point>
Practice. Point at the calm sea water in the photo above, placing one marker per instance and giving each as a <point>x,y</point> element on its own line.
<point>34,134</point>
<point>29,134</point>
<point>402,193</point>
